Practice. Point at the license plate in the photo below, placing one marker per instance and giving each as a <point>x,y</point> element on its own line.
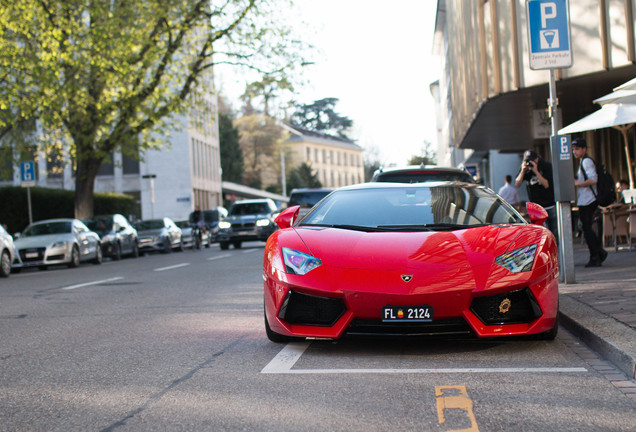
<point>243,232</point>
<point>31,255</point>
<point>422,313</point>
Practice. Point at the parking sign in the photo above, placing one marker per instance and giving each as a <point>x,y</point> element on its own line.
<point>27,173</point>
<point>549,34</point>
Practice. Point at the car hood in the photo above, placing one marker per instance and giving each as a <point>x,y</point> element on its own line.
<point>247,218</point>
<point>150,232</point>
<point>418,250</point>
<point>42,240</point>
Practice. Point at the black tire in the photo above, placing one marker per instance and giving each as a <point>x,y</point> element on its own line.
<point>135,251</point>
<point>552,333</point>
<point>99,257</point>
<point>116,252</point>
<point>224,245</point>
<point>166,245</point>
<point>237,244</point>
<point>75,257</point>
<point>277,337</point>
<point>5,264</point>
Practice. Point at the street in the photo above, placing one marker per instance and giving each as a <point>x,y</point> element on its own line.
<point>176,342</point>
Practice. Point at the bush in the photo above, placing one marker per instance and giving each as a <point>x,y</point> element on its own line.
<point>55,203</point>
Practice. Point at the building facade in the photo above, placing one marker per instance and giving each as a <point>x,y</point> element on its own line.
<point>336,161</point>
<point>492,106</point>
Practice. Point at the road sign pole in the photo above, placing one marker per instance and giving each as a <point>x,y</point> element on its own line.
<point>564,211</point>
<point>29,205</point>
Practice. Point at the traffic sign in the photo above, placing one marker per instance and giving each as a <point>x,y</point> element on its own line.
<point>549,34</point>
<point>27,174</point>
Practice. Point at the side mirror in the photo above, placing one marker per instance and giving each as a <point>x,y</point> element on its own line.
<point>536,213</point>
<point>287,217</point>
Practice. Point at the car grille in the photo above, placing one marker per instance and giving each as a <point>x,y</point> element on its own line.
<point>514,307</point>
<point>24,254</point>
<point>445,327</point>
<point>238,226</point>
<point>304,309</point>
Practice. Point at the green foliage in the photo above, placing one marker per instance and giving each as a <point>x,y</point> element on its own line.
<point>321,116</point>
<point>55,203</point>
<point>427,157</point>
<point>231,154</point>
<point>302,177</point>
<point>112,75</point>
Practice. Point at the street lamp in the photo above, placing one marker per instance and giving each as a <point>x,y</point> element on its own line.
<point>152,192</point>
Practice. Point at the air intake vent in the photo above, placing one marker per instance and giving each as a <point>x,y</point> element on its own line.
<point>304,309</point>
<point>513,307</point>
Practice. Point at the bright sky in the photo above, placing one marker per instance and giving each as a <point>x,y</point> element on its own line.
<point>375,57</point>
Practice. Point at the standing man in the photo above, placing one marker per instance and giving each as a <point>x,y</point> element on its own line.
<point>585,183</point>
<point>538,174</point>
<point>509,192</point>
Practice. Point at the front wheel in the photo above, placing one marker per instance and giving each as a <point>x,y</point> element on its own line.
<point>237,244</point>
<point>224,245</point>
<point>75,257</point>
<point>116,251</point>
<point>5,264</point>
<point>98,255</point>
<point>276,337</point>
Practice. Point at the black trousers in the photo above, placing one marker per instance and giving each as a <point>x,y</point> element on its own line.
<point>586,214</point>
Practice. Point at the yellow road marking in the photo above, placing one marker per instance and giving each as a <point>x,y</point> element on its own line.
<point>448,398</point>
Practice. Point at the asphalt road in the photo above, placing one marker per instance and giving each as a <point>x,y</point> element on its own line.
<point>176,342</point>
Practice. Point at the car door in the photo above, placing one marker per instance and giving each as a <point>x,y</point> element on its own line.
<point>125,234</point>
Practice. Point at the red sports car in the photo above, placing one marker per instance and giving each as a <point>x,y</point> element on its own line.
<point>411,259</point>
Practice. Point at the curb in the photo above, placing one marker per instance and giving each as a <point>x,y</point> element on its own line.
<point>613,340</point>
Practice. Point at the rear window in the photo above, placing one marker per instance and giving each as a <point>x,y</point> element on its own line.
<point>420,177</point>
<point>307,198</point>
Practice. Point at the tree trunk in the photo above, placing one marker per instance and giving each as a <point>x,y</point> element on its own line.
<point>84,186</point>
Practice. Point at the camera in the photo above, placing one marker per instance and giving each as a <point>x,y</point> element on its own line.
<point>529,164</point>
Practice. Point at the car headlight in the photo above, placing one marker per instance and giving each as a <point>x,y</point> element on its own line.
<point>518,260</point>
<point>225,225</point>
<point>262,222</point>
<point>299,263</point>
<point>59,244</point>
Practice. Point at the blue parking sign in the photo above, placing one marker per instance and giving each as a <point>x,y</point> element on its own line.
<point>549,34</point>
<point>27,173</point>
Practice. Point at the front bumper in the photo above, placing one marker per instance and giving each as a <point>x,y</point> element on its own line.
<point>42,256</point>
<point>151,243</point>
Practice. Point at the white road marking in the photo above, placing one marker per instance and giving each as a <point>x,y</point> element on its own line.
<point>288,356</point>
<point>71,287</point>
<point>219,257</point>
<point>172,267</point>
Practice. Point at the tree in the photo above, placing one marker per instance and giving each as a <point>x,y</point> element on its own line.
<point>231,154</point>
<point>427,157</point>
<point>302,177</point>
<point>261,140</point>
<point>320,116</point>
<point>109,75</point>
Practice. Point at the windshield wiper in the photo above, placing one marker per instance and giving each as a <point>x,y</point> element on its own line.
<point>429,227</point>
<point>346,227</point>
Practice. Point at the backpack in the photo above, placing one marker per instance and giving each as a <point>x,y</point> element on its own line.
<point>605,186</point>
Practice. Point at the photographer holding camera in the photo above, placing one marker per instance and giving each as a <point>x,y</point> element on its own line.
<point>538,175</point>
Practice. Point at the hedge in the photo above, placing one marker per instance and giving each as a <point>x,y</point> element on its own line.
<point>55,203</point>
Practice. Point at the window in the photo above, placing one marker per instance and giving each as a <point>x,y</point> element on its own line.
<point>308,154</point>
<point>130,164</point>
<point>107,167</point>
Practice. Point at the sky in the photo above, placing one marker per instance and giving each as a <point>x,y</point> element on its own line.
<point>376,58</point>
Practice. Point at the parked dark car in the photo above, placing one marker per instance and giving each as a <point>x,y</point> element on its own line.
<point>247,220</point>
<point>306,198</point>
<point>211,218</point>
<point>159,235</point>
<point>7,250</point>
<point>118,236</point>
<point>421,174</point>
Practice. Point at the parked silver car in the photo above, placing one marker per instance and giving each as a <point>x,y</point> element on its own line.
<point>7,251</point>
<point>56,241</point>
<point>159,235</point>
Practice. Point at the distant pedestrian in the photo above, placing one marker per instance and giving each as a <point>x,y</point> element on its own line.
<point>585,183</point>
<point>621,185</point>
<point>509,192</point>
<point>538,175</point>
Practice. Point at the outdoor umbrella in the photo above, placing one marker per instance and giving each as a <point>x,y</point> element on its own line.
<point>618,96</point>
<point>617,115</point>
<point>629,85</point>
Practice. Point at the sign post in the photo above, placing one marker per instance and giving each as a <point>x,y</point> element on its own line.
<point>27,180</point>
<point>550,48</point>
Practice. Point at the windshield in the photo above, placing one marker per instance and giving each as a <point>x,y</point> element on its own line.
<point>414,208</point>
<point>46,228</point>
<point>99,224</point>
<point>149,224</point>
<point>242,209</point>
<point>306,199</point>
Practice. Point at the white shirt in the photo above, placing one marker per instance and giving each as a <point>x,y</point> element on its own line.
<point>509,193</point>
<point>584,195</point>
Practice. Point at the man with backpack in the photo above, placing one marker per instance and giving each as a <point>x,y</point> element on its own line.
<point>586,199</point>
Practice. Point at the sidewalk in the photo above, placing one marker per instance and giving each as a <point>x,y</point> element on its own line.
<point>600,308</point>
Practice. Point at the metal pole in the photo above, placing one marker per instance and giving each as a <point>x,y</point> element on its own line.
<point>29,205</point>
<point>564,213</point>
<point>283,179</point>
